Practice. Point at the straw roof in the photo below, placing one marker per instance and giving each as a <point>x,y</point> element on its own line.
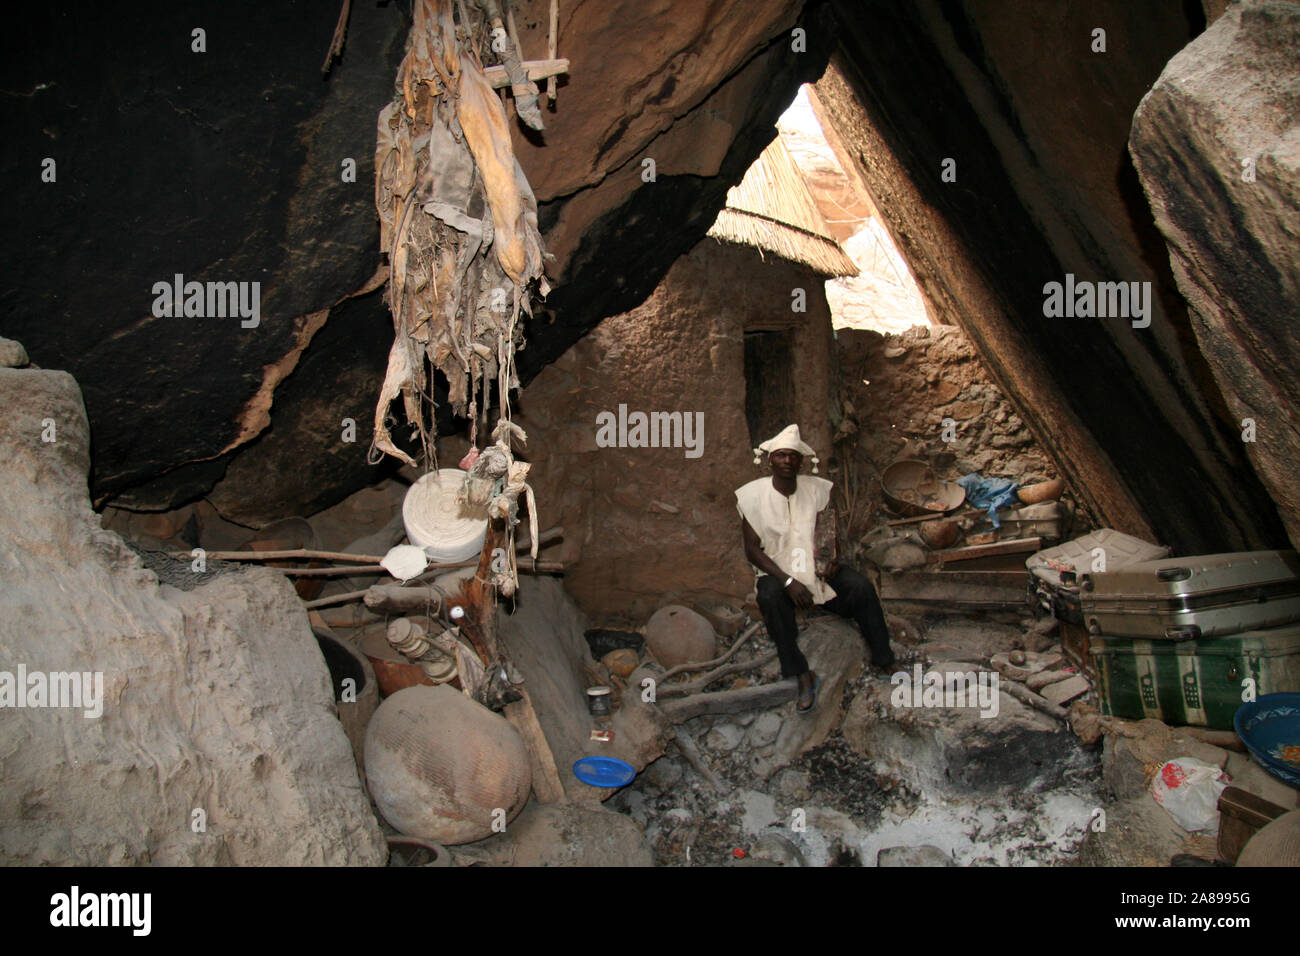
<point>772,210</point>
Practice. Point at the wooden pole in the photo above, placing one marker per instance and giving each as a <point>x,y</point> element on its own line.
<point>303,553</point>
<point>552,48</point>
<point>479,626</point>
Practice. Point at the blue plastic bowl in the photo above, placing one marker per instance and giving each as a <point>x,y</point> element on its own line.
<point>1270,729</point>
<point>604,771</point>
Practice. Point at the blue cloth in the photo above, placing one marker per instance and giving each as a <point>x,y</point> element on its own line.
<point>989,493</point>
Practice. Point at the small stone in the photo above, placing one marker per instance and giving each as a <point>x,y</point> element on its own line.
<point>727,619</point>
<point>765,729</point>
<point>634,803</point>
<point>724,738</point>
<point>944,392</point>
<point>12,354</point>
<point>794,785</point>
<point>621,662</point>
<point>913,856</point>
<point>1017,658</point>
<point>776,848</point>
<point>1066,690</point>
<point>663,773</point>
<point>679,816</point>
<point>902,556</point>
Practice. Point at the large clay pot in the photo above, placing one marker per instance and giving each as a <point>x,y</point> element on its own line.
<point>440,766</point>
<point>677,635</point>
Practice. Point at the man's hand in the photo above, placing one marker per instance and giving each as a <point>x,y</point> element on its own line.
<point>800,594</point>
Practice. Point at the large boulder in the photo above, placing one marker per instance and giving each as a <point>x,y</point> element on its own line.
<point>1216,143</point>
<point>215,696</point>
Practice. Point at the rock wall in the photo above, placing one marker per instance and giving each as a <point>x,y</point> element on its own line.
<point>215,698</point>
<point>229,165</point>
<point>641,523</point>
<point>1217,145</point>
<point>1037,124</point>
<point>902,387</point>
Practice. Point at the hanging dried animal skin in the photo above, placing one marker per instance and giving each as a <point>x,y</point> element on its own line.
<point>459,223</point>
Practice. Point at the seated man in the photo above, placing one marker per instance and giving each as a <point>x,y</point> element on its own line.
<point>788,528</point>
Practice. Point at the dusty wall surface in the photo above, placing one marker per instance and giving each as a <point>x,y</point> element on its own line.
<point>641,523</point>
<point>1038,130</point>
<point>1233,97</point>
<point>214,698</point>
<point>937,376</point>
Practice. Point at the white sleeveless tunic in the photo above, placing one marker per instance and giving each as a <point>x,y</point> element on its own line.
<point>785,526</point>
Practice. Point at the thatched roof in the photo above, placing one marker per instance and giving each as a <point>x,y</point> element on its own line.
<point>773,211</point>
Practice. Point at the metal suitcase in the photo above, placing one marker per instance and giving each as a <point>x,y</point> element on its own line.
<point>1184,599</point>
<point>1058,592</point>
<point>1194,682</point>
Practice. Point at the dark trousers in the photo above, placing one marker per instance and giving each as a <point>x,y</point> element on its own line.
<point>854,597</point>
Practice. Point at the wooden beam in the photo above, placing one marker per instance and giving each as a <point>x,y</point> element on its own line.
<point>762,697</point>
<point>695,686</point>
<point>547,786</point>
<point>395,599</point>
<point>536,70</point>
<point>479,626</point>
<point>686,744</point>
<point>401,599</point>
<point>295,554</point>
<point>934,516</point>
<point>996,549</point>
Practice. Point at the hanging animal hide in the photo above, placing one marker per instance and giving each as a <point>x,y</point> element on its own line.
<point>459,223</point>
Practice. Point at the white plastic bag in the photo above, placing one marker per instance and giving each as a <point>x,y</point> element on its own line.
<point>1189,789</point>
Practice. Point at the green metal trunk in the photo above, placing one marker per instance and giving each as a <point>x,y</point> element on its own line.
<point>1199,683</point>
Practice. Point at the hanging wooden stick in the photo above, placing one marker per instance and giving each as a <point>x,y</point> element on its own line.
<point>340,31</point>
<point>551,47</point>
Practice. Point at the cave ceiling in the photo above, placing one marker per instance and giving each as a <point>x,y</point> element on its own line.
<point>231,164</point>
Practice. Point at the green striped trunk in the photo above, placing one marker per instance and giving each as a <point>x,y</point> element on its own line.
<point>1199,683</point>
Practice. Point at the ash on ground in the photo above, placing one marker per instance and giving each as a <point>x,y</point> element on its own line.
<point>886,786</point>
